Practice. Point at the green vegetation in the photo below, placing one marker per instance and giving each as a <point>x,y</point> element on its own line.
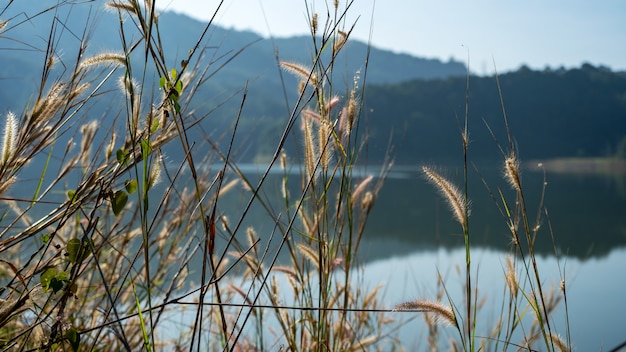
<point>113,232</point>
<point>580,111</point>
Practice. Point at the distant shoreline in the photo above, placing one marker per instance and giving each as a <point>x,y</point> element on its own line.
<point>579,165</point>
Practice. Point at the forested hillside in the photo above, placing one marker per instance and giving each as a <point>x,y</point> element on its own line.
<point>551,113</point>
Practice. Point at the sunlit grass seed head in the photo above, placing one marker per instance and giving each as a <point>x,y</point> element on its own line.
<point>155,171</point>
<point>88,131</point>
<point>314,23</point>
<point>340,41</point>
<point>302,72</point>
<point>122,6</point>
<point>368,201</point>
<point>453,195</point>
<point>3,25</point>
<point>511,276</point>
<point>442,312</point>
<point>559,343</point>
<point>104,59</point>
<point>512,173</point>
<point>9,138</point>
<point>108,151</point>
<point>360,188</point>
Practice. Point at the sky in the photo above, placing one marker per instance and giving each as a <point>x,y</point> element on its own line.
<point>536,33</point>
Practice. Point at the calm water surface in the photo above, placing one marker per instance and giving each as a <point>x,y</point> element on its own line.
<point>411,236</point>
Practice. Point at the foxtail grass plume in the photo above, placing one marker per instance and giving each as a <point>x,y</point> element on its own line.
<point>511,172</point>
<point>3,25</point>
<point>88,130</point>
<point>155,171</point>
<point>5,184</point>
<point>511,276</point>
<point>325,148</point>
<point>310,155</point>
<point>442,312</point>
<point>314,23</point>
<point>360,188</point>
<point>300,71</point>
<point>309,254</point>
<point>283,160</point>
<point>340,41</point>
<point>559,343</point>
<point>456,199</point>
<point>104,58</point>
<point>108,151</point>
<point>368,201</point>
<point>9,138</point>
<point>122,7</point>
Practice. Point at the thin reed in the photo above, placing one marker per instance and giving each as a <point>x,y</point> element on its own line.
<point>115,231</point>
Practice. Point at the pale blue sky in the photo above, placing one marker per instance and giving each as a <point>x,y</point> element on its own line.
<point>532,32</point>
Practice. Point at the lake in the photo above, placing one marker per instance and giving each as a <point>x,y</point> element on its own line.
<point>411,236</point>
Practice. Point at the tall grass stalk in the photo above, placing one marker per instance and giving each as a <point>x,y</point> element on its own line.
<point>109,262</point>
<point>528,307</point>
<point>121,239</point>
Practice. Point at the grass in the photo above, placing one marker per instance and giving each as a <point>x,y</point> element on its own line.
<point>111,244</point>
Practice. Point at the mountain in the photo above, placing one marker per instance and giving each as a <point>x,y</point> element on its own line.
<point>29,26</point>
<point>551,113</point>
<point>416,103</point>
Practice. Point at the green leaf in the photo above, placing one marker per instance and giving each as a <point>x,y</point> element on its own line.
<point>72,248</point>
<point>45,238</point>
<point>131,186</point>
<point>146,148</point>
<point>71,194</point>
<point>46,277</point>
<point>174,74</point>
<point>118,201</point>
<point>161,82</point>
<point>155,126</point>
<point>74,338</point>
<point>62,276</point>
<point>56,285</point>
<point>122,156</point>
<point>179,87</point>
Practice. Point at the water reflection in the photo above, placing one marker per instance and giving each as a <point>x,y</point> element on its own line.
<point>586,213</point>
<point>583,215</point>
<point>594,292</point>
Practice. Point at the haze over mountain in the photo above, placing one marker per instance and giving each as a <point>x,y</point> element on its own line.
<point>417,103</point>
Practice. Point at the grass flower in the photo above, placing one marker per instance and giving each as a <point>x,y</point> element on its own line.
<point>9,138</point>
<point>455,198</point>
<point>512,173</point>
<point>442,312</point>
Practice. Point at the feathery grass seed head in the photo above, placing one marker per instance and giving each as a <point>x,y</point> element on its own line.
<point>3,24</point>
<point>300,71</point>
<point>441,311</point>
<point>511,276</point>
<point>511,172</point>
<point>155,172</point>
<point>88,130</point>
<point>283,160</point>
<point>108,151</point>
<point>121,6</point>
<point>9,138</point>
<point>360,188</point>
<point>368,201</point>
<point>559,343</point>
<point>340,41</point>
<point>456,199</point>
<point>314,23</point>
<point>104,58</point>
